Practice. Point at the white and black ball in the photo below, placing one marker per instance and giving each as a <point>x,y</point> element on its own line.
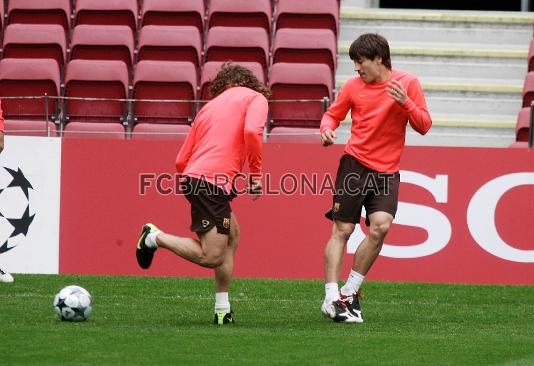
<point>73,303</point>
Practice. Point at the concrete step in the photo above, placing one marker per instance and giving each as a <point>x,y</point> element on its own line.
<point>503,106</point>
<point>447,136</point>
<point>497,34</point>
<point>471,68</point>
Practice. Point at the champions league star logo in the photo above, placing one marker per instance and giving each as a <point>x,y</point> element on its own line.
<point>15,218</point>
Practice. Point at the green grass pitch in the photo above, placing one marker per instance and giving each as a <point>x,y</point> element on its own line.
<point>168,321</point>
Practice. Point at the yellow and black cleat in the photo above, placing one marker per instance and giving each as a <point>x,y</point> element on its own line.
<point>143,253</point>
<point>222,317</point>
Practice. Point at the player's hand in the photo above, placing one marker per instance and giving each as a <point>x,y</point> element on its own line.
<point>255,188</point>
<point>328,136</point>
<point>397,92</point>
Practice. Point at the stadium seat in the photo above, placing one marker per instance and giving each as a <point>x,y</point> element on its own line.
<point>164,80</point>
<point>292,81</point>
<point>29,128</point>
<point>519,145</point>
<point>151,131</point>
<point>528,89</point>
<point>2,15</point>
<point>96,79</point>
<point>111,12</point>
<point>170,43</point>
<point>211,68</point>
<point>531,56</point>
<point>281,135</point>
<point>172,12</point>
<point>35,41</point>
<point>238,44</point>
<point>92,130</point>
<point>522,127</point>
<point>102,42</point>
<point>305,46</point>
<point>30,78</point>
<point>240,13</point>
<point>40,12</point>
<point>308,14</point>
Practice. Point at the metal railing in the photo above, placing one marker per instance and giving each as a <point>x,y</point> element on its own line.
<point>61,117</point>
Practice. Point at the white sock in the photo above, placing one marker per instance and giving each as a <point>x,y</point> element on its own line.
<point>353,283</point>
<point>221,302</point>
<point>150,240</point>
<point>331,292</point>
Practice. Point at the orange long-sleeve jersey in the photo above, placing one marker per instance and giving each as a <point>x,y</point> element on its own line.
<point>226,131</point>
<point>379,122</point>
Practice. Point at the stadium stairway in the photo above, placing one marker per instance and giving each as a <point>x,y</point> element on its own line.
<point>471,64</point>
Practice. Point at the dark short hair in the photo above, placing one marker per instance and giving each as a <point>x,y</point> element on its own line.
<point>370,45</point>
<point>235,75</point>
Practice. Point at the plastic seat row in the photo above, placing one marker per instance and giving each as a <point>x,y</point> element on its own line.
<point>247,13</point>
<point>108,79</point>
<point>170,43</point>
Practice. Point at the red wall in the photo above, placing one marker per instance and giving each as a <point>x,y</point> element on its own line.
<point>283,236</point>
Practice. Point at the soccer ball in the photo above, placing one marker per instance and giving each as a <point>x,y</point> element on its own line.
<point>73,303</point>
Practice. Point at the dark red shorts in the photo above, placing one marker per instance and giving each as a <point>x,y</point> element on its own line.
<point>210,205</point>
<point>356,186</point>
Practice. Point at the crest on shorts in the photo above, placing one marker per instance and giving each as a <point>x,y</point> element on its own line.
<point>336,207</point>
<point>205,223</point>
<point>226,223</point>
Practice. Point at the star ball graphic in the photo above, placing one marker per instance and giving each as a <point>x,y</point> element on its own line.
<point>15,218</point>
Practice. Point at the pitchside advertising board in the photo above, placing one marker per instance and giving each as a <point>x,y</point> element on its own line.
<point>29,204</point>
<point>464,213</point>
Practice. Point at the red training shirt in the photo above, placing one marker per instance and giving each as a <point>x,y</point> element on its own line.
<point>226,131</point>
<point>378,121</point>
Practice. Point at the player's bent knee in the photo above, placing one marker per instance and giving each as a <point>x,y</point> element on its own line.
<point>379,231</point>
<point>212,261</point>
<point>343,230</point>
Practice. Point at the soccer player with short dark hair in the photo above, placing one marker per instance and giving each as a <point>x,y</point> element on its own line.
<point>227,131</point>
<point>382,101</point>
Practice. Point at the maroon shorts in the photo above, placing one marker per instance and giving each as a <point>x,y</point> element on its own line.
<point>357,186</point>
<point>210,205</point>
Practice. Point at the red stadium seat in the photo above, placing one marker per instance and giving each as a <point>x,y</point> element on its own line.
<point>519,145</point>
<point>102,42</point>
<point>522,127</point>
<point>92,130</point>
<point>211,68</point>
<point>29,128</point>
<point>29,77</point>
<point>240,13</point>
<point>531,56</point>
<point>305,46</point>
<point>291,81</point>
<point>111,12</point>
<point>96,79</point>
<point>2,15</point>
<point>528,89</point>
<point>40,12</point>
<point>308,14</point>
<point>170,43</point>
<point>280,135</point>
<point>165,80</point>
<point>151,131</point>
<point>35,41</point>
<point>238,44</point>
<point>173,12</point>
